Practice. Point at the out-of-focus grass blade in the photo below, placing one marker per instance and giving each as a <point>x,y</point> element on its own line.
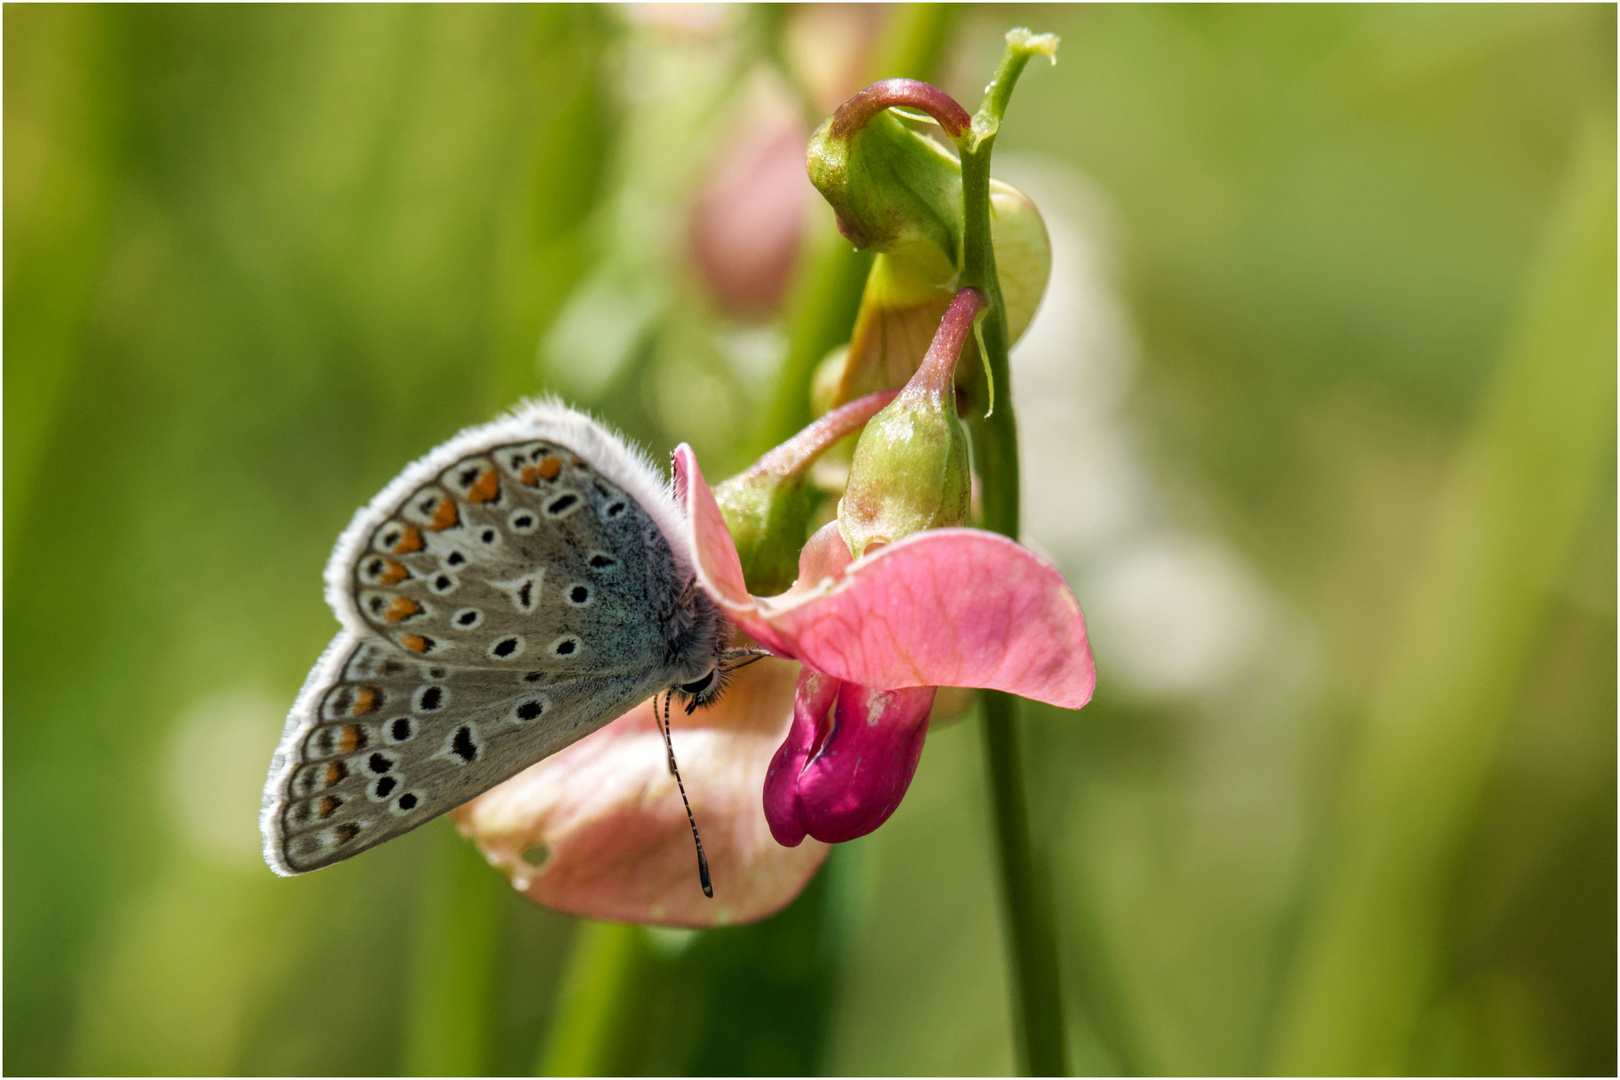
<point>455,939</point>
<point>596,987</point>
<point>1457,652</point>
<point>60,146</point>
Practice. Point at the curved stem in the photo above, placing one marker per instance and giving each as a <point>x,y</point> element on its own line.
<point>796,454</point>
<point>1038,1007</point>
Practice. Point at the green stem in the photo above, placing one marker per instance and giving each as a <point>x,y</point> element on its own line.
<point>1026,896</point>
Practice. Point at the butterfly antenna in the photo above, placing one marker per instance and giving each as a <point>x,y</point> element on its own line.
<point>669,748</point>
<point>669,757</point>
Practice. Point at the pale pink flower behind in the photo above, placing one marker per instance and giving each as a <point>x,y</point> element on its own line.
<point>607,817</point>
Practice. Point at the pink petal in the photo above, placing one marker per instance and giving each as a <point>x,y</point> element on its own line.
<point>847,761</point>
<point>607,812</point>
<point>714,554</point>
<point>822,562</point>
<point>947,607</point>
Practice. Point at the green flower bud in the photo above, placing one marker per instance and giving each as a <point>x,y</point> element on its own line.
<point>893,189</point>
<point>768,516</point>
<point>767,507</point>
<point>901,193</point>
<point>1023,255</point>
<point>911,464</point>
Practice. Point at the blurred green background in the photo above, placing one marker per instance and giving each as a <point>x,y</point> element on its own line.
<point>1319,421</point>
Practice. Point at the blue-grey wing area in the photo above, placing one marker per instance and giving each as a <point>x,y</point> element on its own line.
<point>514,604</point>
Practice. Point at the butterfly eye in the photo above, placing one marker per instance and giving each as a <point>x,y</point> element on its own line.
<point>696,687</point>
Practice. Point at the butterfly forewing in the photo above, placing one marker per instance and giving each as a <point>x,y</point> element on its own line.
<point>511,605</point>
<point>511,558</point>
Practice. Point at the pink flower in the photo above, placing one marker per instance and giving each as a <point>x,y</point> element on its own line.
<point>944,607</point>
<point>749,214</point>
<point>598,829</point>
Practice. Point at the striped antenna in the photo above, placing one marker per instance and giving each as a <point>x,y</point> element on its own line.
<point>669,749</point>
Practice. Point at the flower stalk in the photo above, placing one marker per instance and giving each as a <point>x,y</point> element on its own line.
<point>1025,895</point>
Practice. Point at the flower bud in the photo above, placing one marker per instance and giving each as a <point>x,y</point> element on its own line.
<point>892,189</point>
<point>900,193</point>
<point>910,471</point>
<point>1023,255</point>
<point>767,507</point>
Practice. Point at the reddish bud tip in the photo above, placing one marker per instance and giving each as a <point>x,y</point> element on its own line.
<point>853,114</point>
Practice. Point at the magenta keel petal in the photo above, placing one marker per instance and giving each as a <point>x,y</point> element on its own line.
<point>812,699</point>
<point>847,761</point>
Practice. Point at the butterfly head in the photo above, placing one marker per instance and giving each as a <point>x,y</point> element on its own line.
<point>697,648</point>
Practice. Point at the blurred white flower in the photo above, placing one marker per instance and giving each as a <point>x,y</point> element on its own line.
<point>214,772</point>
<point>1171,612</point>
<point>1179,614</point>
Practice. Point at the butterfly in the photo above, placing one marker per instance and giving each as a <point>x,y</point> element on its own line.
<point>506,595</point>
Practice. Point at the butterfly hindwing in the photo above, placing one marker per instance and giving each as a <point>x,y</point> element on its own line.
<point>387,742</point>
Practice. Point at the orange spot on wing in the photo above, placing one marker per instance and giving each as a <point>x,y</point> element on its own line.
<point>578,464</point>
<point>402,608</point>
<point>329,805</point>
<point>335,771</point>
<point>364,702</point>
<point>445,515</point>
<point>415,642</point>
<point>531,475</point>
<point>411,541</point>
<point>488,488</point>
<point>350,739</point>
<point>394,574</point>
<point>549,467</point>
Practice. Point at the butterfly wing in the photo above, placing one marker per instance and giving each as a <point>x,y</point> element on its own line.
<point>501,600</point>
<point>380,743</point>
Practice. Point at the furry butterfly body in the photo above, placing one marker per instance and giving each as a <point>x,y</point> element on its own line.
<point>506,595</point>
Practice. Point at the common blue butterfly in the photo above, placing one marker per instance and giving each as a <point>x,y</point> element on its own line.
<point>506,595</point>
